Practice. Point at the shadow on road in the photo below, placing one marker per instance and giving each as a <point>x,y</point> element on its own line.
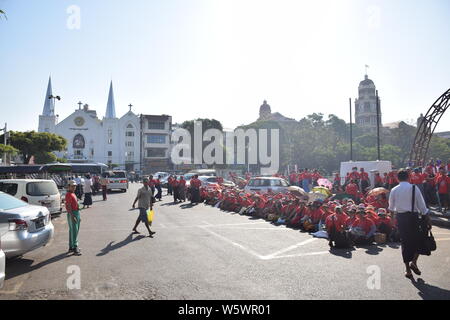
<point>344,253</point>
<point>111,247</point>
<point>18,267</point>
<point>188,205</point>
<point>429,292</point>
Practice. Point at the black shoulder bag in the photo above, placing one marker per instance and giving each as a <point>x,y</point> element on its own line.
<point>427,242</point>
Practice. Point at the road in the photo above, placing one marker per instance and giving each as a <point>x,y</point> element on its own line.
<point>201,252</point>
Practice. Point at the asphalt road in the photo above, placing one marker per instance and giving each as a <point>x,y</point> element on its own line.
<point>201,252</point>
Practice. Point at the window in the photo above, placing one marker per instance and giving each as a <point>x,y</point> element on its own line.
<point>109,136</point>
<point>39,189</point>
<point>156,125</point>
<point>156,153</point>
<point>9,188</point>
<point>78,152</point>
<point>156,138</point>
<point>109,153</point>
<point>129,144</point>
<point>130,126</point>
<point>129,134</point>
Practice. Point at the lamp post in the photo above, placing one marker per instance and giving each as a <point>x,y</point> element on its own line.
<point>5,136</point>
<point>54,98</point>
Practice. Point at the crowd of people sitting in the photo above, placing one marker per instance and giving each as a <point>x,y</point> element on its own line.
<point>346,222</point>
<point>352,215</point>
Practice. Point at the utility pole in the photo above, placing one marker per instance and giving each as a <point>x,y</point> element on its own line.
<point>378,126</point>
<point>351,131</point>
<point>5,136</point>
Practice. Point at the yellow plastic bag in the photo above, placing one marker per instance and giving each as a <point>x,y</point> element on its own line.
<point>150,214</point>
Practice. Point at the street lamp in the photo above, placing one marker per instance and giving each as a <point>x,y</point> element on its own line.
<point>54,100</point>
<point>5,137</point>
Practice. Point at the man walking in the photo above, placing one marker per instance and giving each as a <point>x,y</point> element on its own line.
<point>144,200</point>
<point>73,218</point>
<point>406,201</point>
<point>104,184</point>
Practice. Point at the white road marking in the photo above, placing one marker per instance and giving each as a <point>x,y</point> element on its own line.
<point>250,251</point>
<point>296,255</point>
<point>207,223</point>
<point>13,291</point>
<point>295,246</point>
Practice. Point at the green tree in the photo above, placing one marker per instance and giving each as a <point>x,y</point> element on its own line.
<point>9,150</point>
<point>44,157</point>
<point>33,143</point>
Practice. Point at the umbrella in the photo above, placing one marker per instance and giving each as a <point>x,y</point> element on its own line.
<point>322,190</point>
<point>342,196</point>
<point>297,191</point>
<point>325,183</point>
<point>316,196</point>
<point>377,191</point>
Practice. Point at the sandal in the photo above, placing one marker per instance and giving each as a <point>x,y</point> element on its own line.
<point>409,275</point>
<point>415,269</point>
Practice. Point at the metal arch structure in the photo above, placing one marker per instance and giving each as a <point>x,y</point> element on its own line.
<point>426,129</point>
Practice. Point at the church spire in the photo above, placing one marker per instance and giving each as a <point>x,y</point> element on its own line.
<point>49,104</point>
<point>111,107</point>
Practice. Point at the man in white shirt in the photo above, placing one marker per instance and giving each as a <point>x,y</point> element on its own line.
<point>408,219</point>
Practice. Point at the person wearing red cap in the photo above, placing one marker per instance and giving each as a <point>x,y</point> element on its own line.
<point>336,225</point>
<point>442,182</point>
<point>384,223</point>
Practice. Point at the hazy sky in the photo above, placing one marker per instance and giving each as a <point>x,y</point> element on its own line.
<point>221,58</point>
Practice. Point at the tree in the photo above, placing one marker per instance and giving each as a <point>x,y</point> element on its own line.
<point>44,157</point>
<point>33,143</point>
<point>9,150</point>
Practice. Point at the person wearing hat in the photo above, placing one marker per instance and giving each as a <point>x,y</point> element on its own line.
<point>384,223</point>
<point>73,217</point>
<point>144,200</point>
<point>335,225</point>
<point>363,229</point>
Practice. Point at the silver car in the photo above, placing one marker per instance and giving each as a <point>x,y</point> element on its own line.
<point>29,226</point>
<point>266,184</point>
<point>3,230</point>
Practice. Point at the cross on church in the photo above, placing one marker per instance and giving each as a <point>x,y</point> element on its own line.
<point>130,105</point>
<point>79,105</point>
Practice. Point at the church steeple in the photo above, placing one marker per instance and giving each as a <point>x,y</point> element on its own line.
<point>111,107</point>
<point>49,104</point>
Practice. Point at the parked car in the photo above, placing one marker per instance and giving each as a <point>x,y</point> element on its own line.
<point>34,191</point>
<point>3,229</point>
<point>117,179</point>
<point>29,226</point>
<point>266,184</point>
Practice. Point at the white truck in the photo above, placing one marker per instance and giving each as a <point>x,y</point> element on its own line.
<point>371,167</point>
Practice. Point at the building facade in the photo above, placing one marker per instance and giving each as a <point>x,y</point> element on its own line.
<point>156,133</point>
<point>366,105</point>
<point>110,140</point>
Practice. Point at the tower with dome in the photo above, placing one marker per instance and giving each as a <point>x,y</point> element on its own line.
<point>366,105</point>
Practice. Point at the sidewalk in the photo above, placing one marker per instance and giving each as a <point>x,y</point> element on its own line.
<point>439,219</point>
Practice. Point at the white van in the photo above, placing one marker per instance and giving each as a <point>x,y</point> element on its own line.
<point>117,179</point>
<point>37,192</point>
<point>371,167</point>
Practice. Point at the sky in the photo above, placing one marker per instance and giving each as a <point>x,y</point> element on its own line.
<point>221,58</point>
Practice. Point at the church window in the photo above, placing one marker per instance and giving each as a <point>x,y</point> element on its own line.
<point>130,126</point>
<point>129,134</point>
<point>367,106</point>
<point>109,136</point>
<point>109,153</point>
<point>78,142</point>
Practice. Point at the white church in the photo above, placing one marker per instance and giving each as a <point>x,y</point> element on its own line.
<point>110,140</point>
